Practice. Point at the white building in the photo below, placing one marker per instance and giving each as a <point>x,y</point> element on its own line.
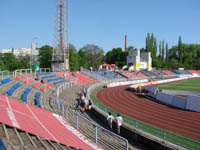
<point>23,52</point>
<point>139,60</point>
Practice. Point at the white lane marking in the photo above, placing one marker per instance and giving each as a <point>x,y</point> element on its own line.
<point>11,115</point>
<point>42,124</point>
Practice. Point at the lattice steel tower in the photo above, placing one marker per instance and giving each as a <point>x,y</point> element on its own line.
<point>60,57</point>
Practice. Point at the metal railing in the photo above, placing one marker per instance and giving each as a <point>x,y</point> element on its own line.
<point>4,73</point>
<point>68,112</point>
<point>21,72</point>
<point>174,138</point>
<point>78,120</point>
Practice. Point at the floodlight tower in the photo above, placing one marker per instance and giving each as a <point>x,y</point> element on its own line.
<point>60,57</point>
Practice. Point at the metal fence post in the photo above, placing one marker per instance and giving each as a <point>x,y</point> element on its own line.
<point>77,121</point>
<point>136,124</point>
<point>96,134</point>
<point>66,112</point>
<point>164,135</point>
<point>63,110</point>
<point>105,109</point>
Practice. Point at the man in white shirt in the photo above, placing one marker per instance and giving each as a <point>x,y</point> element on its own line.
<point>119,121</point>
<point>110,119</point>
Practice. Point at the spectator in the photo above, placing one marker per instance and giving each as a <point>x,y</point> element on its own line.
<point>119,121</point>
<point>78,105</point>
<point>65,75</point>
<point>42,81</point>
<point>37,78</point>
<point>110,119</point>
<point>85,91</point>
<point>89,105</point>
<point>82,103</point>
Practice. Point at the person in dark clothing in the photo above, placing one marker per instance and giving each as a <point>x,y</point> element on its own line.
<point>78,105</point>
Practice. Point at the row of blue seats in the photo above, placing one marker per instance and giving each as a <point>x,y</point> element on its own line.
<point>54,79</point>
<point>180,72</point>
<point>13,88</point>
<point>51,76</point>
<point>4,81</point>
<point>41,74</point>
<point>37,99</point>
<point>25,94</point>
<point>58,82</point>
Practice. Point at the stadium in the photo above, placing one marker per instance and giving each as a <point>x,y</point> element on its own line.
<point>58,98</point>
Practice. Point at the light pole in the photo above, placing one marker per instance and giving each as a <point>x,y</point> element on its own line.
<point>31,51</point>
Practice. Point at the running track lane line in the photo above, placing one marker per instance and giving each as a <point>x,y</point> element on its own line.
<point>11,115</point>
<point>42,125</point>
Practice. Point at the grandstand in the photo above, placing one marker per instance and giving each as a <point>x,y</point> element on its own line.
<point>32,92</point>
<point>29,90</point>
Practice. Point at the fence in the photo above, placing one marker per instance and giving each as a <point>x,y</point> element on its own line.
<point>5,72</point>
<point>162,134</point>
<point>29,71</point>
<point>21,72</point>
<point>77,121</point>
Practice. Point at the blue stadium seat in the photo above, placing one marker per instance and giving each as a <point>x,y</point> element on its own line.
<point>17,85</point>
<point>28,90</point>
<point>58,82</point>
<point>24,97</point>
<point>2,146</point>
<point>4,81</point>
<point>40,74</point>
<point>37,99</point>
<point>11,91</point>
<point>37,95</point>
<point>38,102</point>
<point>51,76</point>
<point>54,79</point>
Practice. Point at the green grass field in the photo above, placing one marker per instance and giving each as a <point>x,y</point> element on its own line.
<point>186,85</point>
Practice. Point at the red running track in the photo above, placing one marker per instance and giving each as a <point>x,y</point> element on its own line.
<point>140,108</point>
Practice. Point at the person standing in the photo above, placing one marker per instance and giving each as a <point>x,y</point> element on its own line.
<point>78,105</point>
<point>119,121</point>
<point>65,75</point>
<point>85,91</point>
<point>110,119</point>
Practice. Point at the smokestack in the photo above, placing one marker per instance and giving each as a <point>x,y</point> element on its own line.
<point>125,43</point>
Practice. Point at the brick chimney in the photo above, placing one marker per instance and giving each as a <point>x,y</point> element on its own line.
<point>125,49</point>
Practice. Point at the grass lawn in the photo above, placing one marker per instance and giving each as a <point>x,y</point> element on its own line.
<point>186,85</point>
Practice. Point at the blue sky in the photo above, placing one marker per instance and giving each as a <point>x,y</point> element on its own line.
<point>100,22</point>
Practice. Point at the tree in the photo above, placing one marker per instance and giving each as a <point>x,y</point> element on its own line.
<point>180,49</point>
<point>10,61</point>
<point>117,57</point>
<point>167,53</point>
<point>95,55</point>
<point>148,39</point>
<point>154,53</point>
<point>73,59</point>
<point>163,50</point>
<point>131,48</point>
<point>2,66</point>
<point>160,50</point>
<point>83,59</point>
<point>45,56</point>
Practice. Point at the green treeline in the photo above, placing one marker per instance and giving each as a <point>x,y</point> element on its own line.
<point>182,55</point>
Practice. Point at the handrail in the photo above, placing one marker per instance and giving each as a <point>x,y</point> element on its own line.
<point>65,110</point>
